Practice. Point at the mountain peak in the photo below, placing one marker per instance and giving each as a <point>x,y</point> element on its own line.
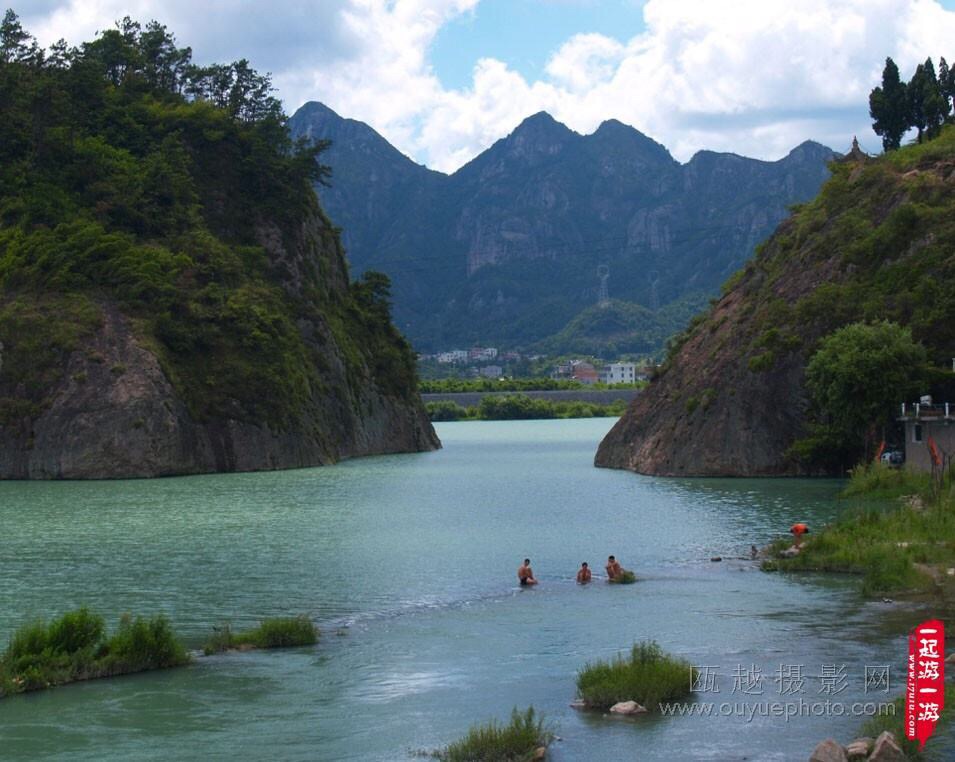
<point>540,118</point>
<point>541,123</point>
<point>537,136</point>
<point>811,150</point>
<point>617,134</point>
<point>316,112</point>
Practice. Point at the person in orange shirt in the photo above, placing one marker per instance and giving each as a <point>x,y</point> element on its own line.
<point>797,531</point>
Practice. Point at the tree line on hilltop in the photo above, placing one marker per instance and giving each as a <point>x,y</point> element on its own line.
<point>924,103</point>
<point>131,175</point>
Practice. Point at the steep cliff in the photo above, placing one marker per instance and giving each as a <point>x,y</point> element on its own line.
<point>513,239</point>
<point>877,243</point>
<point>172,298</point>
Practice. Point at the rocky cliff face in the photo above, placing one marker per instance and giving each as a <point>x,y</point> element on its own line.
<point>115,412</point>
<point>506,249</point>
<point>707,414</point>
<point>877,243</point>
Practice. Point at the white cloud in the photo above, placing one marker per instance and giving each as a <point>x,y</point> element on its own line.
<point>751,76</point>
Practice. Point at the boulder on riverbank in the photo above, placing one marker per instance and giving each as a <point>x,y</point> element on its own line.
<point>859,749</point>
<point>884,749</point>
<point>627,708</point>
<point>829,750</point>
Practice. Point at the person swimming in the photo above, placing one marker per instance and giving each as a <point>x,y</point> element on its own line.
<point>525,575</point>
<point>583,574</point>
<point>614,569</point>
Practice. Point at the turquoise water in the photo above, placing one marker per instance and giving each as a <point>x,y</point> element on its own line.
<point>408,565</point>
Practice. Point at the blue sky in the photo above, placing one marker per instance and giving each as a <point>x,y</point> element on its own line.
<point>443,79</point>
<point>525,33</point>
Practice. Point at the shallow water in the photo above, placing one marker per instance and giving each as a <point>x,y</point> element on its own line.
<point>408,564</point>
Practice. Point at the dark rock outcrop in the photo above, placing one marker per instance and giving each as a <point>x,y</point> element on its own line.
<point>115,413</point>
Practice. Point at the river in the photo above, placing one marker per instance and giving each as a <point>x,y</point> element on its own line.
<point>407,563</point>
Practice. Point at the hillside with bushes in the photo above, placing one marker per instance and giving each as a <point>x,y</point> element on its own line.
<point>172,297</point>
<point>856,286</point>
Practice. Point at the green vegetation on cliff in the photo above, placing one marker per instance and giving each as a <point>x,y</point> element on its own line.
<point>76,647</point>
<point>850,300</point>
<point>131,176</point>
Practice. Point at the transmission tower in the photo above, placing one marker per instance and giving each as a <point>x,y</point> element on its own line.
<point>654,278</point>
<point>603,296</point>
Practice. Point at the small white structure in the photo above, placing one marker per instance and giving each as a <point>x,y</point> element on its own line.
<point>492,371</point>
<point>482,354</point>
<point>622,373</point>
<point>455,355</point>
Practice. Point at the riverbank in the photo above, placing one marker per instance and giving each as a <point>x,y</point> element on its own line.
<point>75,647</point>
<point>514,407</point>
<point>899,535</point>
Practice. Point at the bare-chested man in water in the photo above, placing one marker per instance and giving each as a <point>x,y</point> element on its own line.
<point>525,574</point>
<point>613,568</point>
<point>583,574</point>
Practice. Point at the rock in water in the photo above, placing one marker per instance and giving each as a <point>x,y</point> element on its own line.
<point>886,749</point>
<point>539,753</point>
<point>829,751</point>
<point>627,707</point>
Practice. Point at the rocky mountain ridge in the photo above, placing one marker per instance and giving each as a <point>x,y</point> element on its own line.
<point>506,249</point>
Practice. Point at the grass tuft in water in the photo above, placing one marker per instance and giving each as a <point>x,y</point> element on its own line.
<point>493,742</point>
<point>281,632</point>
<point>647,676</point>
<point>75,647</point>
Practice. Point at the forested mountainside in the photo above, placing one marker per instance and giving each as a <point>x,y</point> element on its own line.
<point>172,297</point>
<point>864,270</point>
<point>506,250</point>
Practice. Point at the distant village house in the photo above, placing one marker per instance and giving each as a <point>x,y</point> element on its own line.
<point>585,373</point>
<point>621,373</point>
<point>482,354</point>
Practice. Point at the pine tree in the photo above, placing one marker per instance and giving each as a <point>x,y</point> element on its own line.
<point>935,105</point>
<point>889,108</point>
<point>916,104</point>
